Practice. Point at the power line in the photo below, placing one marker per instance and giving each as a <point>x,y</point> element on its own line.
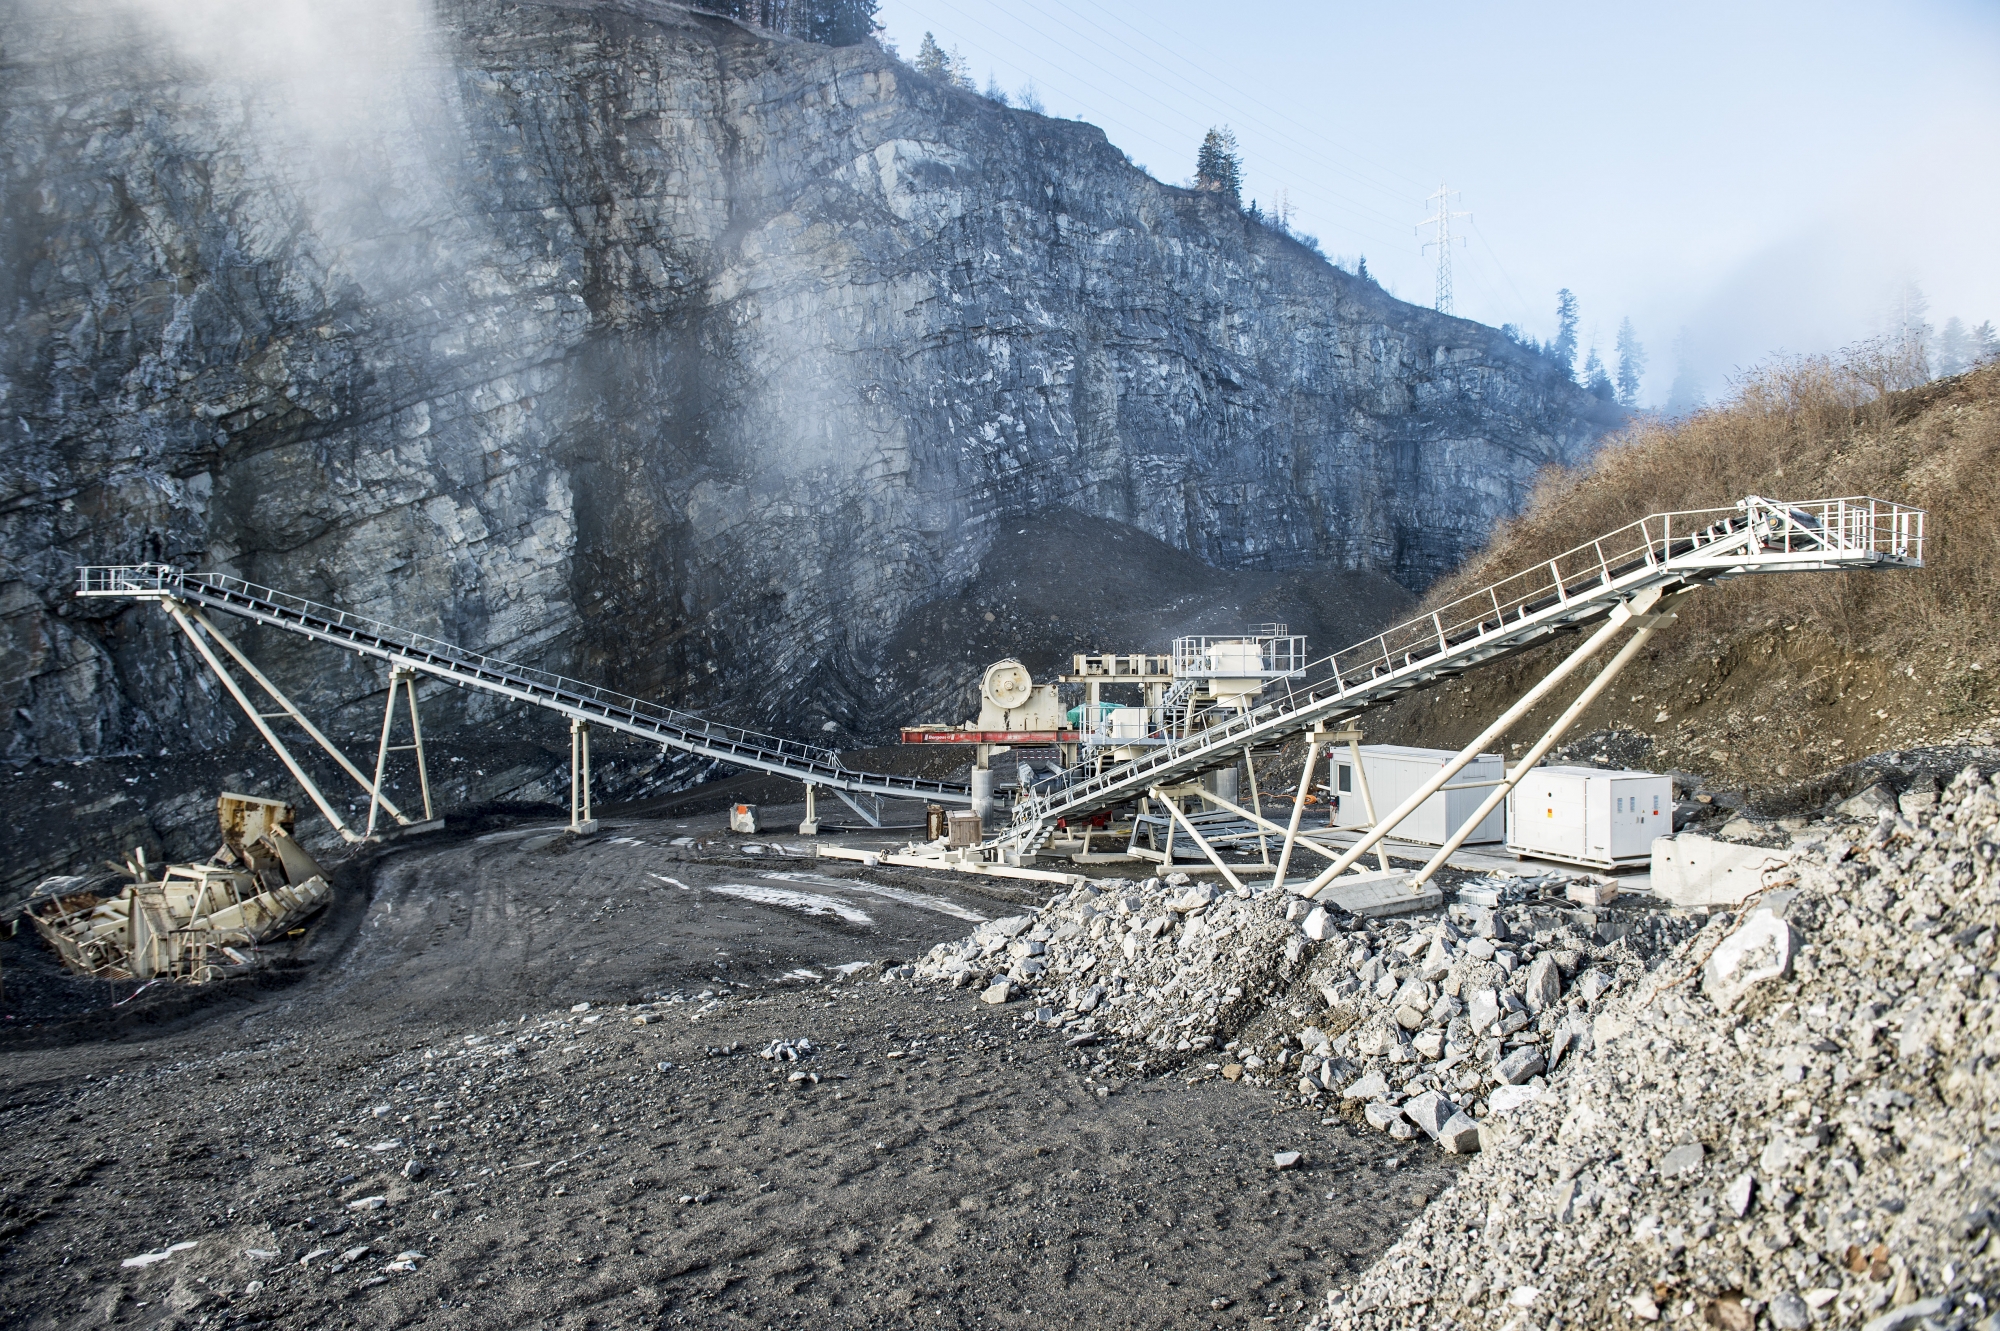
<point>1527,307</point>
<point>1443,242</point>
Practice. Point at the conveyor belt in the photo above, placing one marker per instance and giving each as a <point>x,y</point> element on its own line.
<point>799,761</point>
<point>1665,551</point>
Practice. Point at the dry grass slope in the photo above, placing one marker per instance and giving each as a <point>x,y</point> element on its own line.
<point>1774,679</point>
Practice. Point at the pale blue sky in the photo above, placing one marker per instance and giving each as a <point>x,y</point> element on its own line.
<point>1765,176</point>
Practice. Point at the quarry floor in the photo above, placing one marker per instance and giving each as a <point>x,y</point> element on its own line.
<point>949,1168</point>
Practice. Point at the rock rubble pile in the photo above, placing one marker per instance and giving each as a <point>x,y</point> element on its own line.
<point>1776,1116</point>
<point>1409,1022</point>
<point>1787,1122</point>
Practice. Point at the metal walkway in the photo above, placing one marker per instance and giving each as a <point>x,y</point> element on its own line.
<point>808,763</point>
<point>1664,552</point>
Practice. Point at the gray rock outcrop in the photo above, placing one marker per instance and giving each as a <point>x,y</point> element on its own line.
<point>627,341</point>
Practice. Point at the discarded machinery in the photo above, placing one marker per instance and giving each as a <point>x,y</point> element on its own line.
<point>195,922</point>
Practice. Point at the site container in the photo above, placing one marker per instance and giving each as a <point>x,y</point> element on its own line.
<point>1394,773</point>
<point>1589,815</point>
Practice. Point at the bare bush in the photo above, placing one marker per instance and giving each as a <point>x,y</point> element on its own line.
<point>1770,679</point>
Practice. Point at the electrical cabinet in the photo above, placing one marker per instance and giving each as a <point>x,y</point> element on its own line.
<point>1589,815</point>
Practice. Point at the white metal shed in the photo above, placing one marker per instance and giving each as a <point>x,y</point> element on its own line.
<point>1394,772</point>
<point>1589,815</point>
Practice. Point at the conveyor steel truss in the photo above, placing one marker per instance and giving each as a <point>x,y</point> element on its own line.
<point>1655,557</point>
<point>583,703</point>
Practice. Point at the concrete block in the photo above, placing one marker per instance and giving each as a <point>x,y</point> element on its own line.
<point>1690,870</point>
<point>1376,894</point>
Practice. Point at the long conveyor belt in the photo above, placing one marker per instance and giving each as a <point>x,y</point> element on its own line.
<point>1661,552</point>
<point>809,763</point>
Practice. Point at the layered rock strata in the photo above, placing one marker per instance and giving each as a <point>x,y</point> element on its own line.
<point>624,340</point>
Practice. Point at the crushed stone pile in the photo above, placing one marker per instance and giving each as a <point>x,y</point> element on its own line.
<point>1787,1122</point>
<point>1164,963</point>
<point>1412,1023</point>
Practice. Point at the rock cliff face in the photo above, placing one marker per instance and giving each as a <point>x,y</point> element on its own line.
<point>623,339</point>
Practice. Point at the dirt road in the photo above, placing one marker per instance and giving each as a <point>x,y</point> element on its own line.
<point>424,1128</point>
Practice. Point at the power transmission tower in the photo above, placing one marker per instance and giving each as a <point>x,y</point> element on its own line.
<point>1443,242</point>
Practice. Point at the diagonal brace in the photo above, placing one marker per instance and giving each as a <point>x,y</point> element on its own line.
<point>306,783</point>
<point>1176,815</point>
<point>871,819</point>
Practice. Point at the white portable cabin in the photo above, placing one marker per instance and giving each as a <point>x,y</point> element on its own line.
<point>1394,772</point>
<point>1589,815</point>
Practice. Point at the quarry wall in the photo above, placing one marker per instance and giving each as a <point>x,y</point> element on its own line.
<point>624,340</point>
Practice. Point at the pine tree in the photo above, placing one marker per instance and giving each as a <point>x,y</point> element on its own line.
<point>1954,347</point>
<point>1985,344</point>
<point>961,71</point>
<point>839,22</point>
<point>1563,350</point>
<point>1218,167</point>
<point>1595,381</point>
<point>1631,365</point>
<point>994,92</point>
<point>932,62</point>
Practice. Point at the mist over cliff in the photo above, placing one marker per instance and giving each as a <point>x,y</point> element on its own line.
<point>621,339</point>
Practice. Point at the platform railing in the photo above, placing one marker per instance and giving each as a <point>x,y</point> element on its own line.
<point>1756,535</point>
<point>236,595</point>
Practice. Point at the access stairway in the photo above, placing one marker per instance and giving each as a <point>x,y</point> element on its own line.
<point>1659,554</point>
<point>811,764</point>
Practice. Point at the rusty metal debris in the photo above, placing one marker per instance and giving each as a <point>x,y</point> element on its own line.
<point>192,922</point>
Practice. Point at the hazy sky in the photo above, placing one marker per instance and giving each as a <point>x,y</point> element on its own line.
<point>1762,176</point>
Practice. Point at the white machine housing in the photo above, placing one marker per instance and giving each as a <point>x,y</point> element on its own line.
<point>1009,699</point>
<point>1589,815</point>
<point>1394,772</point>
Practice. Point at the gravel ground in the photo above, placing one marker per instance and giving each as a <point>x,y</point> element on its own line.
<point>415,1126</point>
<point>655,1077</point>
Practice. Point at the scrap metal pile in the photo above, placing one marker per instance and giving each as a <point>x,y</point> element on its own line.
<point>194,922</point>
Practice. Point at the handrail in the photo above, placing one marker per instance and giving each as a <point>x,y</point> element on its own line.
<point>458,665</point>
<point>1574,588</point>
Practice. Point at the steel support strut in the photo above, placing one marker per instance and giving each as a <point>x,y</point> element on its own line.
<point>580,820</point>
<point>258,720</point>
<point>1619,619</point>
<point>1174,815</point>
<point>291,710</point>
<point>1298,807</point>
<point>405,678</point>
<point>1647,626</point>
<point>1353,738</point>
<point>1266,824</point>
<point>1257,803</point>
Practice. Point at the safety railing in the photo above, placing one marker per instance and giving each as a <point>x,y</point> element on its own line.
<point>236,595</point>
<point>1230,655</point>
<point>1756,535</point>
